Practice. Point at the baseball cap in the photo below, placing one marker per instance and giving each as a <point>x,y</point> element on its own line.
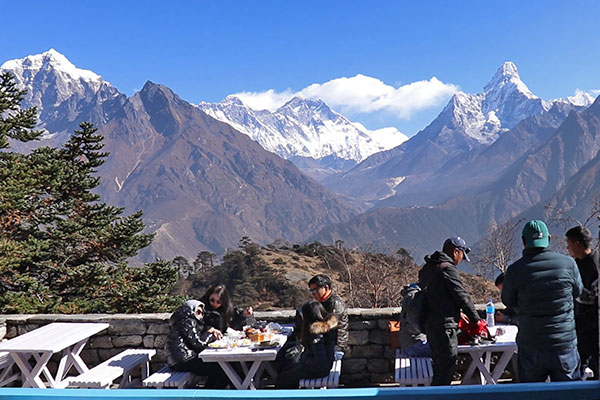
<point>536,234</point>
<point>459,243</point>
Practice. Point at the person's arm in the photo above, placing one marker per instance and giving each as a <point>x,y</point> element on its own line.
<point>459,294</point>
<point>339,311</point>
<point>509,290</point>
<point>577,282</point>
<point>192,335</point>
<point>242,317</point>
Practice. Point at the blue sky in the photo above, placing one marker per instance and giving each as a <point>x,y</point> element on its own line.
<point>205,50</point>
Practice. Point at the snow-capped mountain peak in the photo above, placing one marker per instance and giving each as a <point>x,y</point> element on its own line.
<point>52,72</point>
<point>507,78</point>
<point>304,127</point>
<point>50,60</point>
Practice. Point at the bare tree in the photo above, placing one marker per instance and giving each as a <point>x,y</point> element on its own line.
<point>497,250</point>
<point>379,278</point>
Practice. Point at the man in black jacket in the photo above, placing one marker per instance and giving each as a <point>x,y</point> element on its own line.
<point>321,289</point>
<point>543,285</point>
<point>579,243</point>
<point>446,298</point>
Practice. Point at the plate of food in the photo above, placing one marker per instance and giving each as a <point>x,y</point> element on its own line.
<point>218,344</point>
<point>267,344</point>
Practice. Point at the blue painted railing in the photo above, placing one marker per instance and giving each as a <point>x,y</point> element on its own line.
<point>522,391</point>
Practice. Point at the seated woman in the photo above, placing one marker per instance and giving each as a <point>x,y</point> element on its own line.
<point>318,339</point>
<point>187,338</point>
<point>220,312</point>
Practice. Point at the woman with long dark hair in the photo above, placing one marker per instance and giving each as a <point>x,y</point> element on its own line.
<point>220,312</point>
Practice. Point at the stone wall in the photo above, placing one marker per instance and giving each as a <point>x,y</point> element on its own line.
<point>370,360</point>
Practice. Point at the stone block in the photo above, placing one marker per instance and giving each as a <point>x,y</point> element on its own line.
<point>361,325</point>
<point>90,357</point>
<point>101,342</point>
<point>127,341</point>
<point>159,341</point>
<point>3,331</point>
<point>379,366</point>
<point>354,366</point>
<point>105,354</point>
<point>389,352</point>
<point>379,336</point>
<point>358,337</point>
<point>383,324</point>
<point>125,328</point>
<point>158,329</point>
<point>149,341</point>
<point>368,351</point>
<point>21,329</point>
<point>11,332</point>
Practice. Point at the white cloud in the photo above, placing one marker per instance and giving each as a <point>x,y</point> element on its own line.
<point>361,94</point>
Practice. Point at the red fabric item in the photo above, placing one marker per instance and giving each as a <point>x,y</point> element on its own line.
<point>474,333</point>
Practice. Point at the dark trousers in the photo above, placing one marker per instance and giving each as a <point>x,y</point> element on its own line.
<point>587,344</point>
<point>215,376</point>
<point>537,365</point>
<point>444,352</point>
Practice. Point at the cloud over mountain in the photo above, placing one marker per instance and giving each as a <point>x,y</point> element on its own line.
<point>361,94</point>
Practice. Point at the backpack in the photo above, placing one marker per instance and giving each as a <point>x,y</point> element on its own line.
<point>414,307</point>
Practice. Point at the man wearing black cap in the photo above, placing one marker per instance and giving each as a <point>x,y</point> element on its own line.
<point>446,298</point>
<point>544,285</point>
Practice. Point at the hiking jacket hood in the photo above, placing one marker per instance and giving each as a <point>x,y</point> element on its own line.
<point>543,285</point>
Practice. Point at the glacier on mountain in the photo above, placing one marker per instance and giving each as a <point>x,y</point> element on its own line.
<point>305,128</point>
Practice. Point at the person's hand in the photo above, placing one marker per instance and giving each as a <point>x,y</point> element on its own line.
<point>464,317</point>
<point>499,317</point>
<point>248,311</point>
<point>216,333</point>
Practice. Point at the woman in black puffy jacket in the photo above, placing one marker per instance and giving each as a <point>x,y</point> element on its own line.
<point>187,338</point>
<point>220,312</point>
<point>316,350</point>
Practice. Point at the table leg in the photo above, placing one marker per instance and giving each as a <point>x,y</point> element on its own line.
<point>501,365</point>
<point>31,376</point>
<point>231,374</point>
<point>249,380</point>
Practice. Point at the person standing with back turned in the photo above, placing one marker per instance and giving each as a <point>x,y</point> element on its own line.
<point>579,243</point>
<point>446,298</point>
<point>543,285</point>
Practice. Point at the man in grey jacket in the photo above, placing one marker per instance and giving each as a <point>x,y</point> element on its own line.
<point>543,285</point>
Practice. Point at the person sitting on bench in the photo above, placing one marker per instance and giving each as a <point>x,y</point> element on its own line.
<point>187,338</point>
<point>313,357</point>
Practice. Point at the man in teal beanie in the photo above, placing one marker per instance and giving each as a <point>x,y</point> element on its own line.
<point>543,285</point>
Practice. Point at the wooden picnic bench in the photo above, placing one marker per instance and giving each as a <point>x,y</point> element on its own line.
<point>330,381</point>
<point>413,371</point>
<point>168,378</point>
<point>103,375</point>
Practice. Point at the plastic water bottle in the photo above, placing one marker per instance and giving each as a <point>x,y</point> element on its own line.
<point>490,310</point>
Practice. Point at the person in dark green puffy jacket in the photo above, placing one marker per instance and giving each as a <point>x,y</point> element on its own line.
<point>543,285</point>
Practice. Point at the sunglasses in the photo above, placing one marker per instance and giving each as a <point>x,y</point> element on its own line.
<point>314,291</point>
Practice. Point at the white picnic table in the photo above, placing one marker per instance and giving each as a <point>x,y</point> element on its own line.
<point>481,355</point>
<point>37,346</point>
<point>259,359</point>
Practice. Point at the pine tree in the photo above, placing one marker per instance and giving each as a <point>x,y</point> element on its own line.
<point>61,248</point>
